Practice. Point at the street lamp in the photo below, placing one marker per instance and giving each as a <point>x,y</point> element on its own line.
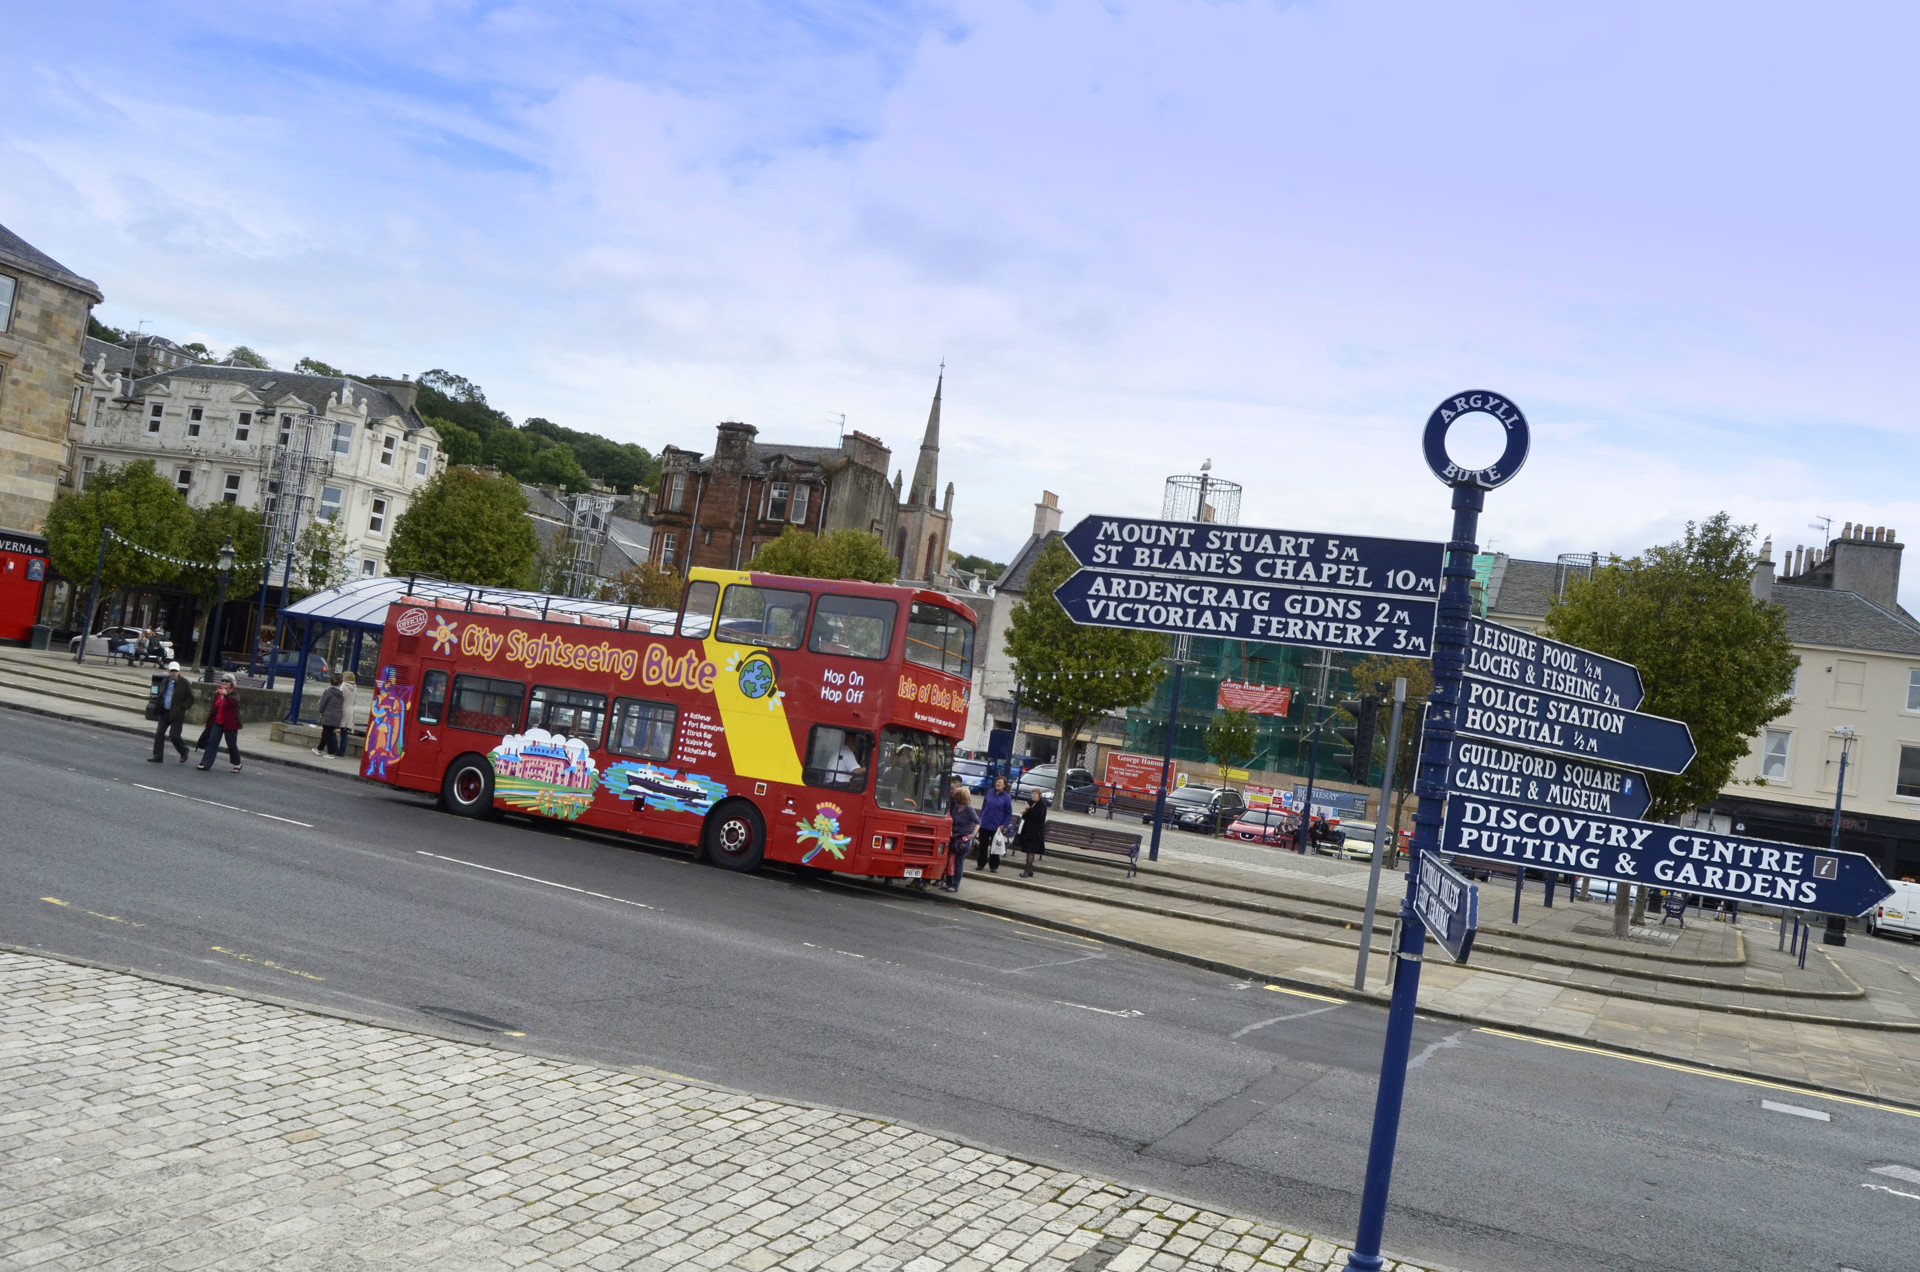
<point>225,561</point>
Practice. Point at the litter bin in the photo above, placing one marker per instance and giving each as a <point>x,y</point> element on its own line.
<point>1836,933</point>
<point>41,636</point>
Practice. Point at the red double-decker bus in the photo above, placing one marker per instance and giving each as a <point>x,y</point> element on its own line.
<point>768,718</point>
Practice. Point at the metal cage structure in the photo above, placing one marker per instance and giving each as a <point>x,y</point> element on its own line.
<point>1201,497</point>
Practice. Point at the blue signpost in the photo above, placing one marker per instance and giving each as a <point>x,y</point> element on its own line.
<point>1448,904</point>
<point>1654,854</point>
<point>1542,721</point>
<point>1450,646</point>
<point>1529,661</point>
<point>1500,772</point>
<point>1249,554</point>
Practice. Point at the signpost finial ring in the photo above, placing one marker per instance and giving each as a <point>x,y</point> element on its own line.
<point>1498,473</point>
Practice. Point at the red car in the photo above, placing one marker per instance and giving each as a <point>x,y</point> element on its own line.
<point>1263,826</point>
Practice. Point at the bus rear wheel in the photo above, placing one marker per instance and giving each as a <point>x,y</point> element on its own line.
<point>467,789</point>
<point>736,836</point>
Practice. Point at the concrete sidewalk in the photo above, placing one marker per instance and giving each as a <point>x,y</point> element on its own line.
<point>153,1126</point>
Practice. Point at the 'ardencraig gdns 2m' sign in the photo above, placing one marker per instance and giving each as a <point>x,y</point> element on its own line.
<point>1731,867</point>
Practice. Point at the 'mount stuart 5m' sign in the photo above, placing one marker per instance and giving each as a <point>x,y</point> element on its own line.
<point>1202,550</point>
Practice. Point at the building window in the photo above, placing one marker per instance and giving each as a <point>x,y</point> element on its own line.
<point>423,460</point>
<point>286,429</point>
<point>79,395</point>
<point>6,303</point>
<point>343,438</point>
<point>367,568</point>
<point>194,416</point>
<point>676,491</point>
<point>154,413</point>
<point>330,500</point>
<point>243,427</point>
<point>231,494</point>
<point>800,504</point>
<point>668,541</point>
<point>1913,689</point>
<point>183,480</point>
<point>377,521</point>
<point>1773,754</point>
<point>387,449</point>
<point>86,471</point>
<point>777,493</point>
<point>272,501</point>
<point>1908,783</point>
<point>98,405</point>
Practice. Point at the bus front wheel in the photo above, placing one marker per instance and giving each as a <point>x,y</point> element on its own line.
<point>736,837</point>
<point>467,789</point>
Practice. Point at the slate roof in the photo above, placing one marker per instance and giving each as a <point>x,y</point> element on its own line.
<point>1014,577</point>
<point>764,453</point>
<point>1526,587</point>
<point>1846,620</point>
<point>16,251</point>
<point>276,386</point>
<point>117,357</point>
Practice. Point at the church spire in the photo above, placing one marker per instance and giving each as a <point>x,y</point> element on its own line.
<point>926,474</point>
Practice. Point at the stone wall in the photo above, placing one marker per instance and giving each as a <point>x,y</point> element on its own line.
<point>39,370</point>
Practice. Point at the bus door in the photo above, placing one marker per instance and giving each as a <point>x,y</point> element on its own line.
<point>430,716</point>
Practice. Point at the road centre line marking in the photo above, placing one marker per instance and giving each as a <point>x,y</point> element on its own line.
<point>1679,1067</point>
<point>1774,1106</point>
<point>1895,1191</point>
<point>1311,1011</point>
<point>111,918</point>
<point>217,804</point>
<point>1301,993</point>
<point>1129,1013</point>
<point>564,887</point>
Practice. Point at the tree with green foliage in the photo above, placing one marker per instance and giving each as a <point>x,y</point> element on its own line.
<point>978,565</point>
<point>212,526</point>
<point>509,450</point>
<point>313,366</point>
<point>647,585</point>
<point>1709,652</point>
<point>246,357</point>
<point>200,351</point>
<point>1071,674</point>
<point>466,527</point>
<point>1232,738</point>
<point>141,506</point>
<point>461,445</point>
<point>100,331</point>
<point>556,466</point>
<point>844,554</point>
<point>320,554</point>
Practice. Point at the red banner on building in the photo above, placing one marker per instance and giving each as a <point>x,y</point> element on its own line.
<point>1259,699</point>
<point>1131,772</point>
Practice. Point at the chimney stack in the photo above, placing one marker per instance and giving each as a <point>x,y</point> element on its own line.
<point>1762,583</point>
<point>1046,514</point>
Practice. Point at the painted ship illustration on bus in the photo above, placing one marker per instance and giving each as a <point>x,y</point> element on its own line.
<point>657,787</point>
<point>545,773</point>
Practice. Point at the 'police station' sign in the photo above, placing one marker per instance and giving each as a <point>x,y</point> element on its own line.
<point>1567,726</point>
<point>1652,853</point>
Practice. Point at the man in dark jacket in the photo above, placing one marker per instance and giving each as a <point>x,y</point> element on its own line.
<point>1032,838</point>
<point>171,702</point>
<point>333,712</point>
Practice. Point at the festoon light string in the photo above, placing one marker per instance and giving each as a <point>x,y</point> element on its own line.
<point>238,566</point>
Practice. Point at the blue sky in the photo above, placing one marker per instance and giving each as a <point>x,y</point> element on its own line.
<point>1141,235</point>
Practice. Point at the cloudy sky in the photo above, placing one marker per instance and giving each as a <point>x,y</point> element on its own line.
<point>1680,236</point>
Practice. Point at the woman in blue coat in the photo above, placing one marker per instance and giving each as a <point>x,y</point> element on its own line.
<point>996,811</point>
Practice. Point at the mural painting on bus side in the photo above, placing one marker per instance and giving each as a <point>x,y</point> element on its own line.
<point>545,773</point>
<point>387,724</point>
<point>759,677</point>
<point>673,790</point>
<point>824,831</point>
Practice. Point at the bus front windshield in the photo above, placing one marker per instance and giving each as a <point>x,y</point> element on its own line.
<point>912,769</point>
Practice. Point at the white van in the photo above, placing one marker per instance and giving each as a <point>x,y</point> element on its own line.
<point>1899,914</point>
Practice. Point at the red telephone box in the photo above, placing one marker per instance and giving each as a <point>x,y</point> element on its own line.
<point>23,578</point>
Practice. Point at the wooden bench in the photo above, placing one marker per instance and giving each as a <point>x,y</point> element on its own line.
<point>1128,804</point>
<point>1118,843</point>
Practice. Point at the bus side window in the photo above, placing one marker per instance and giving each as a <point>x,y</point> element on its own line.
<point>433,697</point>
<point>764,616</point>
<point>837,758</point>
<point>642,729</point>
<point>486,705</point>
<point>703,597</point>
<point>853,627</point>
<point>568,712</point>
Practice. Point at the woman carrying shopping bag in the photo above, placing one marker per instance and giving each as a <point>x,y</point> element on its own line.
<point>965,823</point>
<point>996,811</point>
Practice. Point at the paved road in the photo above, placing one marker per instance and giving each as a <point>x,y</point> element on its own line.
<point>1515,1156</point>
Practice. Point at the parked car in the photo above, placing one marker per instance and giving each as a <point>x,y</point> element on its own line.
<point>975,773</point>
<point>1207,810</point>
<point>1262,826</point>
<point>1356,840</point>
<point>108,639</point>
<point>1080,786</point>
<point>1899,914</point>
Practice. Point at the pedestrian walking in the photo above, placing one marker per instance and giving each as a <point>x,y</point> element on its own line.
<point>350,688</point>
<point>333,706</point>
<point>996,810</point>
<point>965,823</point>
<point>168,705</point>
<point>223,721</point>
<point>1032,839</point>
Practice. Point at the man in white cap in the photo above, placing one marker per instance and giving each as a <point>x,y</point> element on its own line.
<point>171,700</point>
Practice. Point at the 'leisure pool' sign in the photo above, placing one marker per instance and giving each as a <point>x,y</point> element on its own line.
<point>1731,867</point>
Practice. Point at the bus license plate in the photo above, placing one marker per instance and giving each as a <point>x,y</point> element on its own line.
<point>911,872</point>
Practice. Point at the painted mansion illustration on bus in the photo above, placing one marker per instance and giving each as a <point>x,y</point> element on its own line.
<point>540,772</point>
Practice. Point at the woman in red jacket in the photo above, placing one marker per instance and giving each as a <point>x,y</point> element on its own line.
<point>223,721</point>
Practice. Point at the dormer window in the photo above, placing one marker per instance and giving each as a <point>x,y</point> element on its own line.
<point>154,413</point>
<point>423,460</point>
<point>243,427</point>
<point>286,429</point>
<point>800,505</point>
<point>343,438</point>
<point>194,415</point>
<point>387,449</point>
<point>777,493</point>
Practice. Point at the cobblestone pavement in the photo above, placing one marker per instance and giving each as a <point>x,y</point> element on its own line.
<point>150,1126</point>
